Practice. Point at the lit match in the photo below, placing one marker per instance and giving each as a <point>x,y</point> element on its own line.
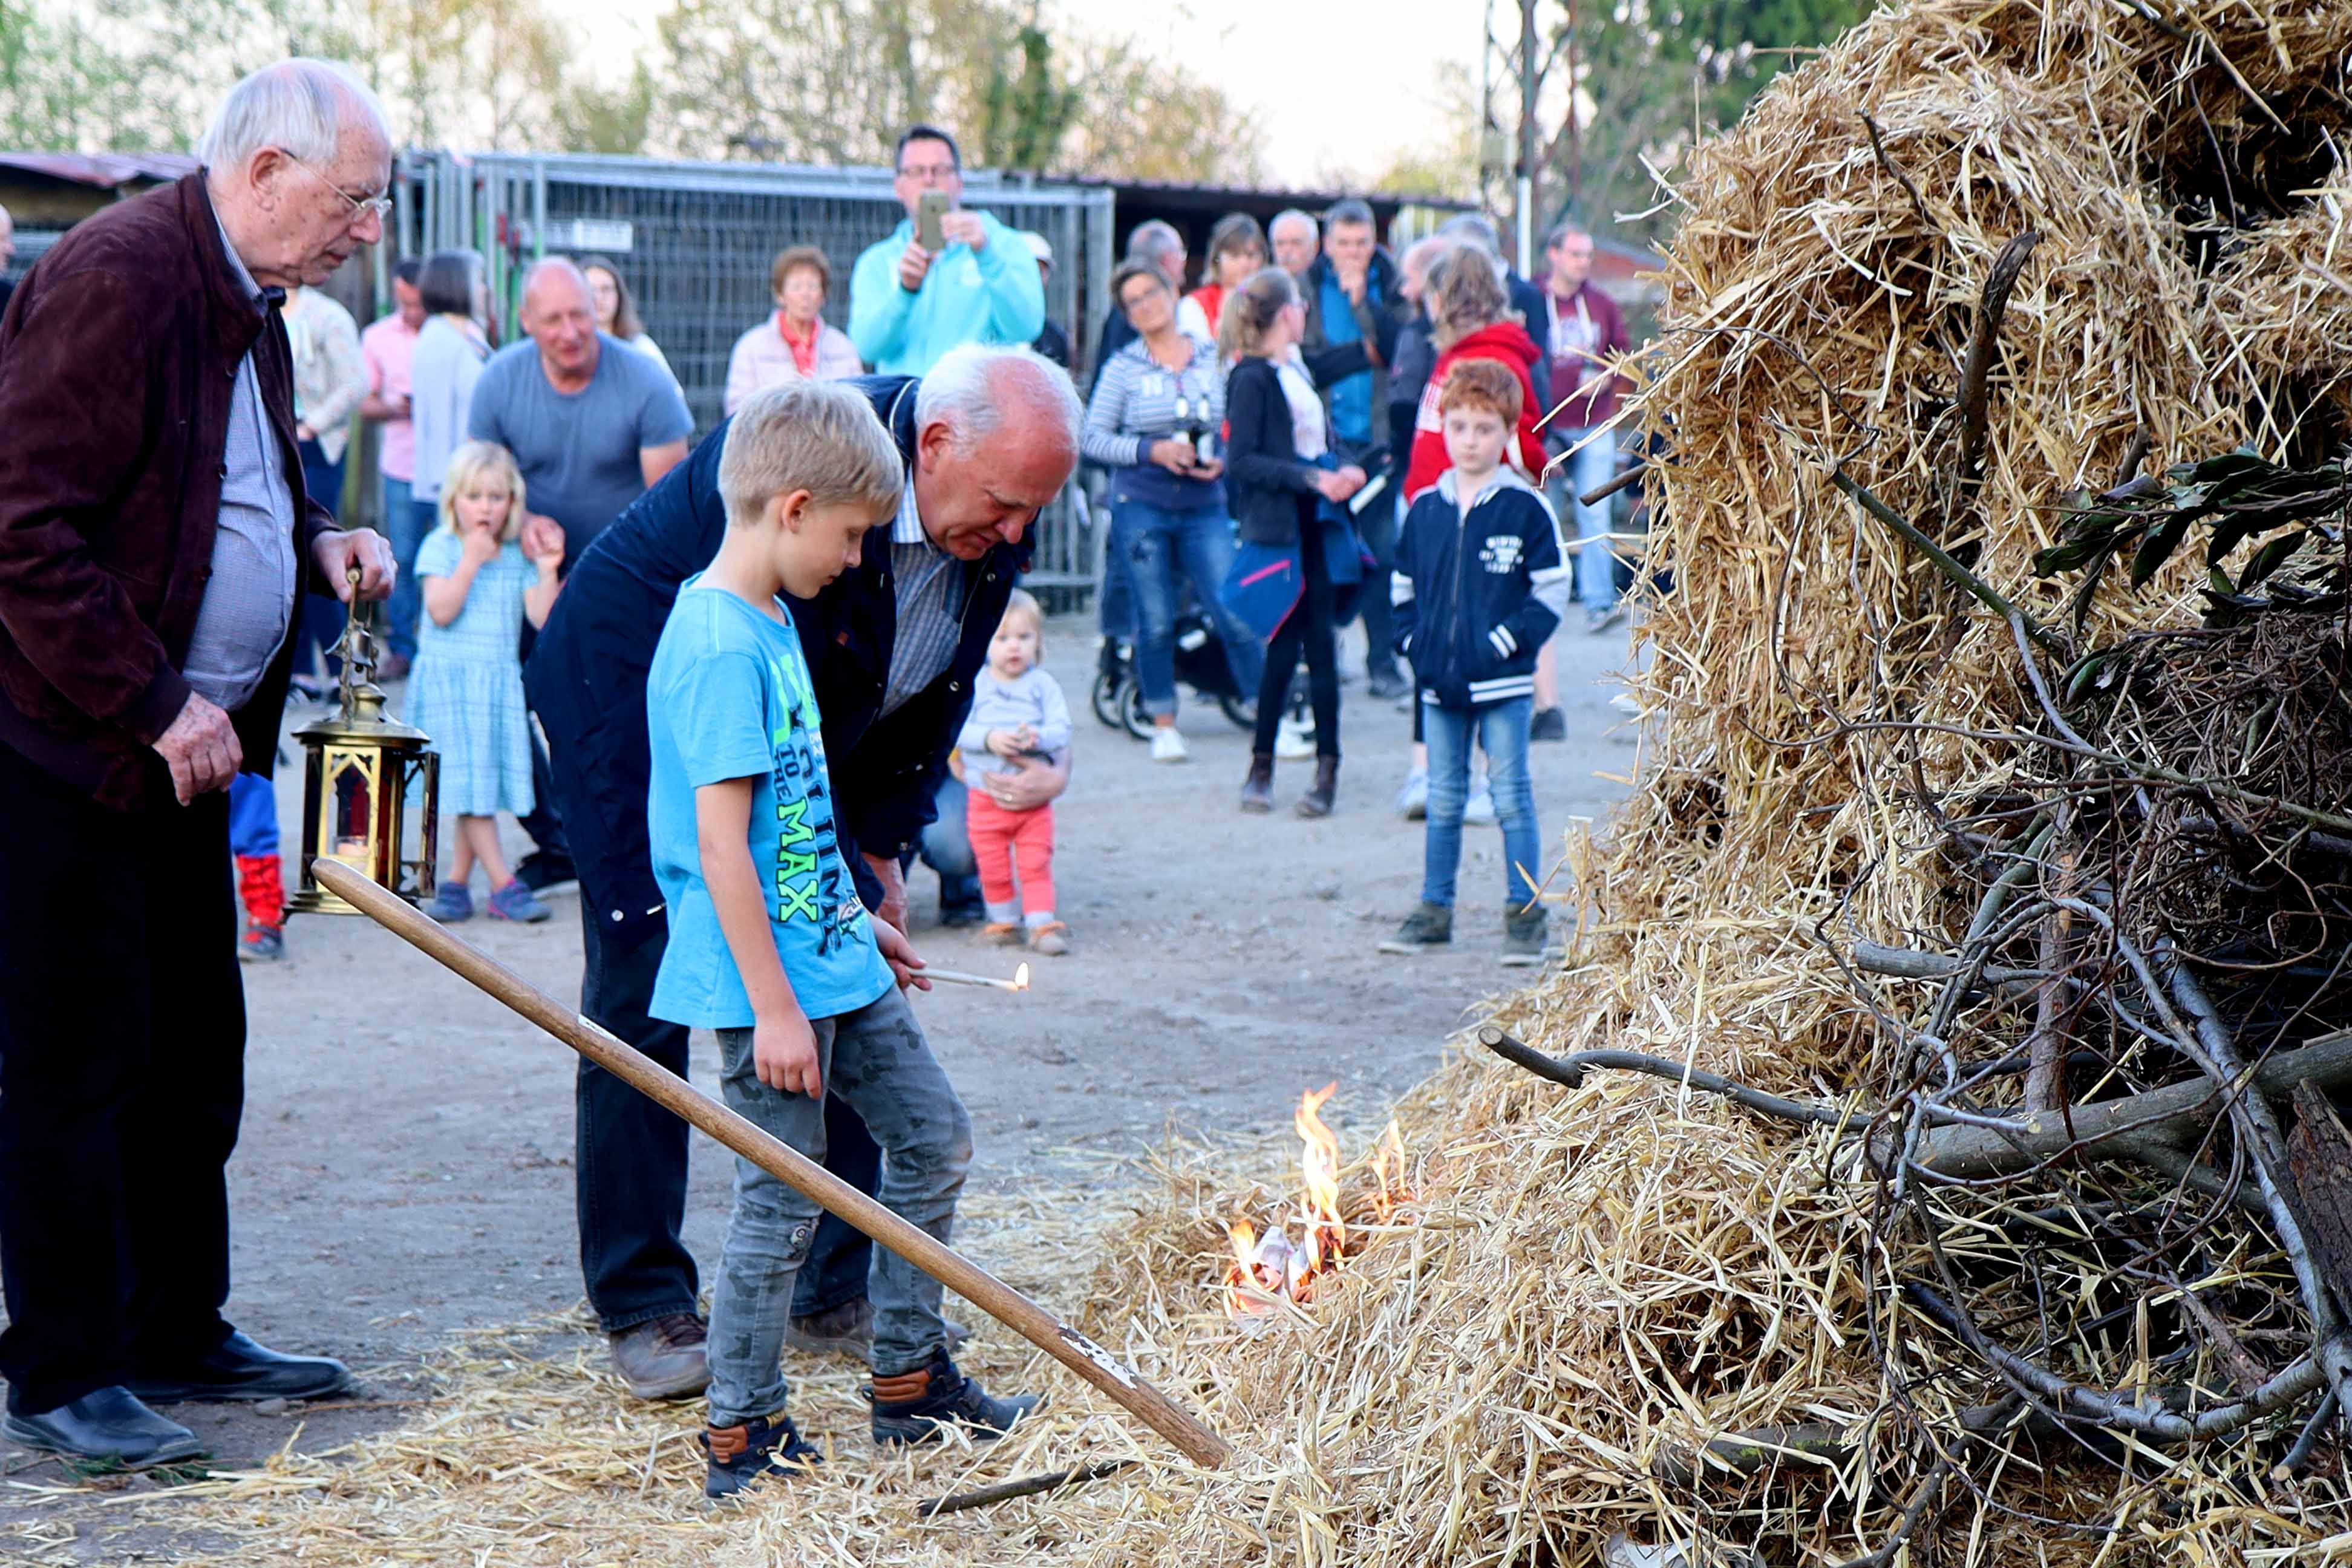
<point>1020,981</point>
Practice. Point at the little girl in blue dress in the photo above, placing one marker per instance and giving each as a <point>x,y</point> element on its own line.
<point>481,572</point>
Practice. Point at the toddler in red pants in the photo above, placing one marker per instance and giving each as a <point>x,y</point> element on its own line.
<point>1017,711</point>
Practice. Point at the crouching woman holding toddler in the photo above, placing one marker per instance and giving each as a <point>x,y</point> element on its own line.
<point>769,946</point>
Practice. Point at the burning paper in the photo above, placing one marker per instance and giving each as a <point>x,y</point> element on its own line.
<point>1274,1274</point>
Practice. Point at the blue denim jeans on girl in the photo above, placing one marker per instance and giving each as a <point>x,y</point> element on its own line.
<point>877,1060</point>
<point>1152,541</point>
<point>1501,729</point>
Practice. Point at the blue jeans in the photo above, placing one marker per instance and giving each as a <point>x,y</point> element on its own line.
<point>406,531</point>
<point>1501,730</point>
<point>877,1060</point>
<point>1117,605</point>
<point>1152,543</point>
<point>252,815</point>
<point>946,847</point>
<point>1596,564</point>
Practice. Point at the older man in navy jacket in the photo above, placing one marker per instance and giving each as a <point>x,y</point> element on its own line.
<point>989,435</point>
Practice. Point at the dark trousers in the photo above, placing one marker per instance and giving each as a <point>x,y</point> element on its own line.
<point>1377,525</point>
<point>631,1164</point>
<point>122,1081</point>
<point>322,618</point>
<point>1306,631</point>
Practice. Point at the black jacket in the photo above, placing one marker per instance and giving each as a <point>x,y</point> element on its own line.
<point>586,681</point>
<point>1528,299</point>
<point>1476,596</point>
<point>1273,491</point>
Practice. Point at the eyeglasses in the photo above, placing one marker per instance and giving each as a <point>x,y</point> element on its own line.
<point>927,172</point>
<point>362,207</point>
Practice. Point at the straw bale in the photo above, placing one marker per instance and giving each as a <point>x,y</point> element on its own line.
<point>1588,1278</point>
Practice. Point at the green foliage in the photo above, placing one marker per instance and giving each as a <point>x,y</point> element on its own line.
<point>2237,496</point>
<point>1028,114</point>
<point>1660,74</point>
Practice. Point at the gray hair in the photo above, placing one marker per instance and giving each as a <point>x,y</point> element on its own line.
<point>1292,216</point>
<point>298,105</point>
<point>1349,209</point>
<point>967,389</point>
<point>1475,227</point>
<point>1153,238</point>
<point>1563,229</point>
<point>815,436</point>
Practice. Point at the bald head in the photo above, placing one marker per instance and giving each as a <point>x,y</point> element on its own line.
<point>996,438</point>
<point>559,312</point>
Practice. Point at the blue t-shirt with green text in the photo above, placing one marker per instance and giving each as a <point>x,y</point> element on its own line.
<point>728,698</point>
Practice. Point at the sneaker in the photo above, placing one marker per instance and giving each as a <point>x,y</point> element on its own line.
<point>1167,745</point>
<point>1523,938</point>
<point>848,1331</point>
<point>1387,684</point>
<point>664,1357</point>
<point>1413,800</point>
<point>1548,724</point>
<point>261,943</point>
<point>1293,741</point>
<point>1003,933</point>
<point>769,1448</point>
<point>1052,939</point>
<point>1627,703</point>
<point>451,904</point>
<point>1479,810</point>
<point>919,1406</point>
<point>515,902</point>
<point>1430,925</point>
<point>958,916</point>
<point>1601,620</point>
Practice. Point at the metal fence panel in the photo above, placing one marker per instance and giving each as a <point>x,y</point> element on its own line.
<point>695,242</point>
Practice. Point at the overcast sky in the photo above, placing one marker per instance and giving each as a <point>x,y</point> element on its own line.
<point>1337,83</point>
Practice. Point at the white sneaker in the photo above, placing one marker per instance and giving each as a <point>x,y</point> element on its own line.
<point>1479,811</point>
<point>1413,800</point>
<point>1293,742</point>
<point>1167,745</point>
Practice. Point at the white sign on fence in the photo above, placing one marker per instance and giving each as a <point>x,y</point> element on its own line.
<point>612,236</point>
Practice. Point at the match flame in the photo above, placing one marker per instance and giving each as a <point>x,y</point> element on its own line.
<point>1020,978</point>
<point>1269,1270</point>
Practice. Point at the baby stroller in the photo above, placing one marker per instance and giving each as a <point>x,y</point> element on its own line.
<point>1200,664</point>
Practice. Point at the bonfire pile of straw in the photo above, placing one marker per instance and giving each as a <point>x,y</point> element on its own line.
<point>1592,1285</point>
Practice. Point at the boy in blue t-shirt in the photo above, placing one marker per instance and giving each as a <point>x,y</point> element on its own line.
<point>768,945</point>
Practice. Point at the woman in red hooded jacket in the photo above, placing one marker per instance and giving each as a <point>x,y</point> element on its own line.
<point>1471,318</point>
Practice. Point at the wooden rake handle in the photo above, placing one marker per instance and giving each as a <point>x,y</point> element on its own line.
<point>607,1050</point>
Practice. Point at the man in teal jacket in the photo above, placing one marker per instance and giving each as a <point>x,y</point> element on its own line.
<point>908,307</point>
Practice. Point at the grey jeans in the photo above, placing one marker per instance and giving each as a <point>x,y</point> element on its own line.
<point>877,1061</point>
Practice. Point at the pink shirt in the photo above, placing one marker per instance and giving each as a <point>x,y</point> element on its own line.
<point>384,349</point>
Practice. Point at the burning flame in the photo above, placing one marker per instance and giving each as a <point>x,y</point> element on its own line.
<point>1270,1270</point>
<point>1020,978</point>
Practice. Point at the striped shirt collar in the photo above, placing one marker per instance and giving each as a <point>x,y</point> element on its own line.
<point>908,527</point>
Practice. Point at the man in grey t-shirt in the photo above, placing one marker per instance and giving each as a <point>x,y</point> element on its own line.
<point>591,423</point>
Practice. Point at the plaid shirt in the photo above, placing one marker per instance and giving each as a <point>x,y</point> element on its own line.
<point>927,585</point>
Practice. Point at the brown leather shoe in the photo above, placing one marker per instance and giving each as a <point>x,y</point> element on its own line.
<point>666,1358</point>
<point>1257,789</point>
<point>1316,801</point>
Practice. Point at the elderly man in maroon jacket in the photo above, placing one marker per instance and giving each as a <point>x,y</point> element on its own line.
<point>154,542</point>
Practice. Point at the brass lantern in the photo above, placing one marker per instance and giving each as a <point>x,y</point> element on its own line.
<point>361,772</point>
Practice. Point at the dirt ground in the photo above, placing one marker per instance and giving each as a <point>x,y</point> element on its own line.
<point>405,1168</point>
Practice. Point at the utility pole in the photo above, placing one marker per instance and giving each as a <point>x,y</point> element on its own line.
<point>1530,142</point>
<point>1511,149</point>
